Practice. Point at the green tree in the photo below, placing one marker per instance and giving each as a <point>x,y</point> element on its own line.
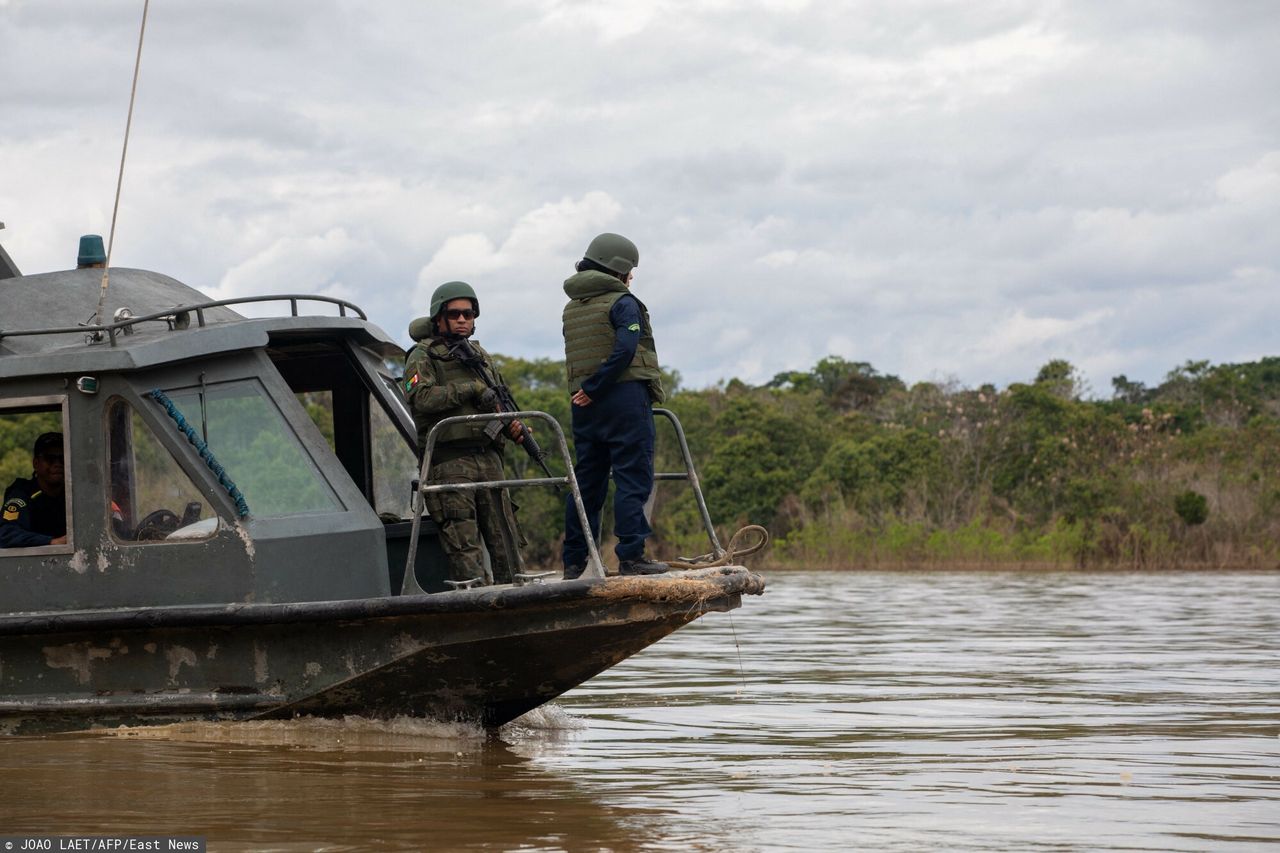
<point>876,474</point>
<point>767,443</point>
<point>846,385</point>
<point>1133,393</point>
<point>18,434</point>
<point>1192,507</point>
<point>1060,378</point>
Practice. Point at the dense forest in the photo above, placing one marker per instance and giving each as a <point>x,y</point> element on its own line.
<point>850,467</point>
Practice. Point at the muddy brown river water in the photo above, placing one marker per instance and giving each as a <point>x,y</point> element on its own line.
<point>881,711</point>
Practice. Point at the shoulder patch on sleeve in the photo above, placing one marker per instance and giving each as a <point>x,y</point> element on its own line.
<point>634,327</point>
<point>411,382</point>
<point>12,508</point>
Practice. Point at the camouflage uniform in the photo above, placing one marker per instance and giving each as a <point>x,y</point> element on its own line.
<point>438,386</point>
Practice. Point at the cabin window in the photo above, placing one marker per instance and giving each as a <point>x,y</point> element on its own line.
<point>396,394</point>
<point>31,516</point>
<point>394,465</point>
<point>319,406</point>
<point>258,449</point>
<point>151,498</point>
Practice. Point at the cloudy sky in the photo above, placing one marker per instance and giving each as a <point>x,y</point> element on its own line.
<point>948,190</point>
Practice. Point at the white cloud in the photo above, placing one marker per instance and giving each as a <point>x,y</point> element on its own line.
<point>612,21</point>
<point>1258,181</point>
<point>961,188</point>
<point>780,258</point>
<point>1012,335</point>
<point>301,265</point>
<point>550,232</point>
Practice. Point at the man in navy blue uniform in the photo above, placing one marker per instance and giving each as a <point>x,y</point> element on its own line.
<point>614,380</point>
<point>34,511</point>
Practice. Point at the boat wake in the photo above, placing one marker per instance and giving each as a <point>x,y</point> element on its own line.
<point>355,732</point>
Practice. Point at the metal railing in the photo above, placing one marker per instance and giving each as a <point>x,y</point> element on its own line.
<point>691,475</point>
<point>179,316</point>
<point>595,567</point>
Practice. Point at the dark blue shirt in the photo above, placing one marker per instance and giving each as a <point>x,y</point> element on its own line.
<point>30,517</point>
<point>625,318</point>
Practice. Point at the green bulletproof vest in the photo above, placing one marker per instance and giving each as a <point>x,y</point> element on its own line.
<point>589,336</point>
<point>448,370</point>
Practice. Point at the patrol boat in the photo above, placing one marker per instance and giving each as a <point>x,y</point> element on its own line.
<point>231,557</point>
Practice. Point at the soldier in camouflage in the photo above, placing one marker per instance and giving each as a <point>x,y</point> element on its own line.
<point>438,385</point>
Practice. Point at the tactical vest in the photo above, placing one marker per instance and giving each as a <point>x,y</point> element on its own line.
<point>589,336</point>
<point>448,370</point>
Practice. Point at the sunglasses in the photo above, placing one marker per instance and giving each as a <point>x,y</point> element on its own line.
<point>460,314</point>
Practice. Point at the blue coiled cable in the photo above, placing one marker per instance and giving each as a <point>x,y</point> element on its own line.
<point>242,506</point>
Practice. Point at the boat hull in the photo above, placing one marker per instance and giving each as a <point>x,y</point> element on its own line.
<point>486,655</point>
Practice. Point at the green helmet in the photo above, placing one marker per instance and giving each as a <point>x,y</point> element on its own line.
<point>614,252</point>
<point>449,291</point>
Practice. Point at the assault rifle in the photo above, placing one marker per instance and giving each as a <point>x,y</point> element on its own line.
<point>462,350</point>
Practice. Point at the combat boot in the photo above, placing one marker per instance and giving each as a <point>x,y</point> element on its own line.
<point>573,571</point>
<point>641,565</point>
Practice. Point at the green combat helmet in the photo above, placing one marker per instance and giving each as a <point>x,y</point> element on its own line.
<point>453,290</point>
<point>614,252</point>
<point>425,327</point>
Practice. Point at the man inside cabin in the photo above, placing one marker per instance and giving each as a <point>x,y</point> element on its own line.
<point>614,381</point>
<point>35,511</point>
<point>444,376</point>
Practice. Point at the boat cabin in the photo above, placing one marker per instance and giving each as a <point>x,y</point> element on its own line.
<point>209,456</point>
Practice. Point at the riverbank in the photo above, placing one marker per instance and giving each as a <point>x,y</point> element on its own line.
<point>856,565</point>
<point>902,546</point>
<point>1061,545</point>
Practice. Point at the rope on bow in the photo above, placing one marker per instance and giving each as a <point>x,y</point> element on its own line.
<point>731,555</point>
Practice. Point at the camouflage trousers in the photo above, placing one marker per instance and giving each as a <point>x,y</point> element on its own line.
<point>473,521</point>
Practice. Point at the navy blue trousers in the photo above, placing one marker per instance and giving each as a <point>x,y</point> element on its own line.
<point>615,433</point>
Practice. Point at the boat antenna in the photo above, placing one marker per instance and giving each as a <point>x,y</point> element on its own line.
<point>133,92</point>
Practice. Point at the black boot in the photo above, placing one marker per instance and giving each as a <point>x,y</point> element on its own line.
<point>641,565</point>
<point>574,571</point>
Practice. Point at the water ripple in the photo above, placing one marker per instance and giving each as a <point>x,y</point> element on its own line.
<point>886,711</point>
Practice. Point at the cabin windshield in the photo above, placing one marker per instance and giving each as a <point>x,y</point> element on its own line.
<point>253,442</point>
<point>151,498</point>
